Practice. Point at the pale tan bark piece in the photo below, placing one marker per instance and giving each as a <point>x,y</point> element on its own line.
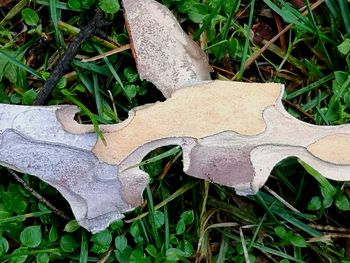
<point>195,112</point>
<point>165,55</point>
<point>232,133</point>
<point>332,148</point>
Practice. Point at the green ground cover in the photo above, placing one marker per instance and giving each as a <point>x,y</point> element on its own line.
<point>298,217</point>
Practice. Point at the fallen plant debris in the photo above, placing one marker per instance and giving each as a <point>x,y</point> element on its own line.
<point>235,140</point>
<point>165,55</point>
<point>93,27</point>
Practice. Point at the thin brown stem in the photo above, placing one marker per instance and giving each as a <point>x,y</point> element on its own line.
<point>38,196</point>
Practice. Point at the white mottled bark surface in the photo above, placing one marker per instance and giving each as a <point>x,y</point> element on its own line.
<point>165,55</point>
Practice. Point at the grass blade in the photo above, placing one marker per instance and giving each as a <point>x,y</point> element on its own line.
<point>14,11</point>
<point>15,62</point>
<point>344,10</point>
<point>310,87</point>
<point>159,157</point>
<point>23,217</point>
<point>151,217</point>
<point>315,101</point>
<point>25,252</point>
<point>237,213</point>
<point>318,34</point>
<point>102,70</point>
<point>97,94</point>
<point>246,44</point>
<point>275,252</point>
<point>59,5</point>
<point>289,217</point>
<point>264,248</point>
<point>290,15</point>
<point>230,18</point>
<point>166,220</point>
<point>88,113</point>
<point>85,80</point>
<point>110,67</point>
<point>327,187</point>
<point>333,8</point>
<point>84,250</point>
<point>54,17</point>
<point>172,197</point>
<point>223,249</point>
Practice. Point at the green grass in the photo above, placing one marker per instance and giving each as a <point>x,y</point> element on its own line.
<point>299,217</point>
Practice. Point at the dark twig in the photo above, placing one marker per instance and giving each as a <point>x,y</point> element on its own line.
<point>87,31</point>
<point>38,196</point>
